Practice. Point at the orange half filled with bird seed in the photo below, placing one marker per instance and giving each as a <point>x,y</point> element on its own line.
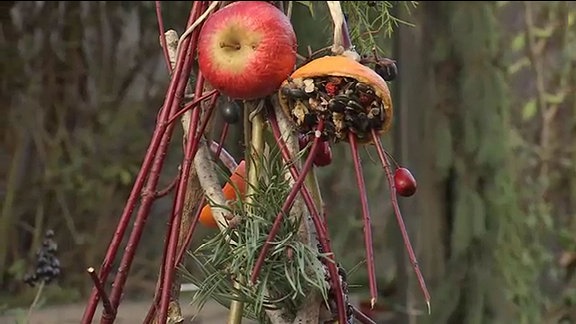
<point>347,95</point>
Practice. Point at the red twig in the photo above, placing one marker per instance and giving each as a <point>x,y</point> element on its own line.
<point>218,149</point>
<point>172,102</point>
<point>399,219</point>
<point>163,192</point>
<point>152,311</point>
<point>101,292</point>
<point>192,105</point>
<point>366,218</point>
<point>287,203</point>
<point>162,34</point>
<point>321,228</point>
<point>191,148</point>
<point>361,317</point>
<point>149,159</point>
<point>221,153</point>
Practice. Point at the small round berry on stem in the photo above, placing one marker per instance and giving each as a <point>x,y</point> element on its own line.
<point>404,182</point>
<point>231,112</point>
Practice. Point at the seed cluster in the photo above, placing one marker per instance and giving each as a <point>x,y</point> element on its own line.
<point>344,104</point>
<point>47,264</point>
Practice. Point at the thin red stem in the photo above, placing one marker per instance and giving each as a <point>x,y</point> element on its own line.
<point>361,317</point>
<point>147,199</point>
<point>148,160</point>
<point>162,34</point>
<point>192,105</point>
<point>163,192</point>
<point>320,226</point>
<point>287,204</point>
<point>366,218</point>
<point>101,291</point>
<point>152,311</point>
<point>177,86</point>
<point>231,166</point>
<point>159,284</point>
<point>399,219</point>
<point>220,152</point>
<point>191,148</point>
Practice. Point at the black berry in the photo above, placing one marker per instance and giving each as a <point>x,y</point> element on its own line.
<point>388,72</point>
<point>231,112</point>
<point>47,264</point>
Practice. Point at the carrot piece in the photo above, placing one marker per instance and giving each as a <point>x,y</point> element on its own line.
<point>237,181</point>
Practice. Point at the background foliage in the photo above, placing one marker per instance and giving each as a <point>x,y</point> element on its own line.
<point>485,112</point>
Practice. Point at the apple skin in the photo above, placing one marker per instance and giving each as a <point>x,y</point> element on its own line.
<point>247,49</point>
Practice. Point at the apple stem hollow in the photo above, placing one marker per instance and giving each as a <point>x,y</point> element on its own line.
<point>235,46</point>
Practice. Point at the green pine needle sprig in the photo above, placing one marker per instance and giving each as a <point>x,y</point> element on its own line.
<point>369,25</point>
<point>292,269</point>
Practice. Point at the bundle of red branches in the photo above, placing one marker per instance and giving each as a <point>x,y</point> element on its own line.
<point>338,100</point>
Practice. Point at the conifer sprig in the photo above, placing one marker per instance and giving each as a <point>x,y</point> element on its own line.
<point>292,270</point>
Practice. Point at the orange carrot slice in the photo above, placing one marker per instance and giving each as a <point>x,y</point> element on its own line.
<point>237,181</point>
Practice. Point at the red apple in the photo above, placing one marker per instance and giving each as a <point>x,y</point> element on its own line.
<point>247,49</point>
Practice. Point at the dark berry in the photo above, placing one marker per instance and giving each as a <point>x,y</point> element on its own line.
<point>55,263</point>
<point>323,154</point>
<point>303,140</point>
<point>30,279</point>
<point>42,260</point>
<point>231,111</point>
<point>388,72</point>
<point>47,264</point>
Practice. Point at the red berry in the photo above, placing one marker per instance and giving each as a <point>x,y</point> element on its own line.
<point>303,141</point>
<point>323,154</point>
<point>404,182</point>
<point>331,89</point>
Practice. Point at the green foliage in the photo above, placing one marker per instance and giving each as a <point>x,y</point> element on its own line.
<point>79,111</point>
<point>291,271</point>
<point>535,66</point>
<point>471,155</point>
<point>369,25</point>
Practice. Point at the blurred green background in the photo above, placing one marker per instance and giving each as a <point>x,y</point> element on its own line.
<point>485,118</point>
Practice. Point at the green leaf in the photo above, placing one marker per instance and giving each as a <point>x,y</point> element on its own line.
<point>17,268</point>
<point>519,42</point>
<point>529,110</point>
<point>555,99</point>
<point>125,177</point>
<point>518,65</point>
<point>544,32</point>
<point>309,5</point>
